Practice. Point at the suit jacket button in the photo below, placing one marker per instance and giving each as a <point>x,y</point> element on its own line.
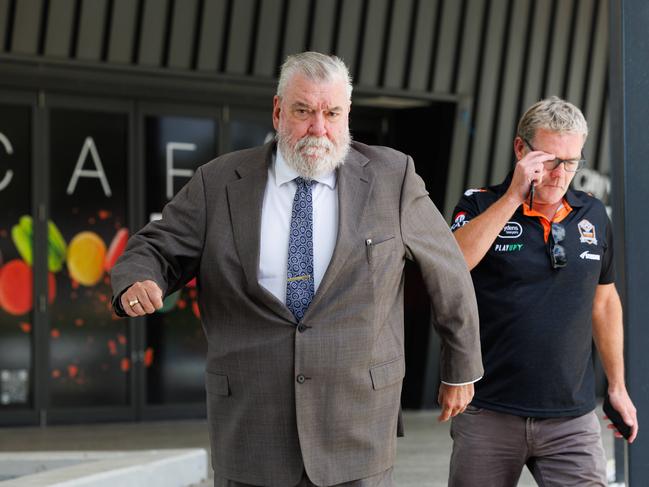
<point>301,328</point>
<point>300,379</point>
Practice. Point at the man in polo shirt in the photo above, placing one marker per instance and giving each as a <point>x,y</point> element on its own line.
<point>541,257</point>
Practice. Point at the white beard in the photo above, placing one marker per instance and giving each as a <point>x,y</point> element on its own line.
<point>328,156</point>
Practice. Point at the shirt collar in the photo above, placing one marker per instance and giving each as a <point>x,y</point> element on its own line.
<point>573,199</point>
<point>284,173</point>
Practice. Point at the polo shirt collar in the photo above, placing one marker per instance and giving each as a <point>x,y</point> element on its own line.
<point>284,173</point>
<point>573,199</point>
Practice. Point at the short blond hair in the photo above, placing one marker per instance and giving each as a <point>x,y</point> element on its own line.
<point>555,115</point>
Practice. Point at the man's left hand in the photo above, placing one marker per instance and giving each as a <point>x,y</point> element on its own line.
<point>622,403</point>
<point>454,400</point>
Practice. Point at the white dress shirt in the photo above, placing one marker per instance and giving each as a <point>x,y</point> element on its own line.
<point>276,222</point>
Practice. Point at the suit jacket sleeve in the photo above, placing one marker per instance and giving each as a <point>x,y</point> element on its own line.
<point>166,251</point>
<point>454,312</point>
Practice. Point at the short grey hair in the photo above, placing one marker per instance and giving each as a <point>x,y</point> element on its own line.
<point>552,114</point>
<point>314,66</point>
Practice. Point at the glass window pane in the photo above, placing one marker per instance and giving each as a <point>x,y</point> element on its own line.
<point>251,130</point>
<point>89,348</point>
<point>16,282</point>
<point>175,350</point>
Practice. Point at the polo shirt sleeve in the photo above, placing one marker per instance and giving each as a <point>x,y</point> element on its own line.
<point>607,274</point>
<point>466,209</point>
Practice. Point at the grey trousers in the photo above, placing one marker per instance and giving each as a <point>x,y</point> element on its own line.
<point>491,449</point>
<point>383,479</point>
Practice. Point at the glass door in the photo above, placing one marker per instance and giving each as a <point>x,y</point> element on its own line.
<point>91,351</point>
<point>17,310</point>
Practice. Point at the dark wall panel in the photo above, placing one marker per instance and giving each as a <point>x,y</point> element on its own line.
<point>153,32</point>
<point>5,22</point>
<point>468,69</point>
<point>210,45</point>
<point>579,64</point>
<point>596,87</point>
<point>122,31</point>
<point>183,27</point>
<point>268,33</point>
<point>470,46</point>
<point>350,22</point>
<point>323,26</point>
<point>92,21</point>
<point>536,54</point>
<point>487,94</point>
<point>373,42</point>
<point>603,164</point>
<point>297,23</point>
<point>446,47</point>
<point>397,52</point>
<point>241,29</point>
<point>422,46</point>
<point>26,28</point>
<point>60,25</point>
<point>556,69</point>
<point>507,115</point>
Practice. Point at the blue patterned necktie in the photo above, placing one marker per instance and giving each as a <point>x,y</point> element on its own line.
<point>299,283</point>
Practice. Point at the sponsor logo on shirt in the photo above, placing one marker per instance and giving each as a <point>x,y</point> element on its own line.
<point>509,247</point>
<point>460,221</point>
<point>511,230</point>
<point>587,255</point>
<point>469,192</point>
<point>587,232</point>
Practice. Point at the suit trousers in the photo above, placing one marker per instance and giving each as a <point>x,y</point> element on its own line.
<point>384,479</point>
<point>490,449</point>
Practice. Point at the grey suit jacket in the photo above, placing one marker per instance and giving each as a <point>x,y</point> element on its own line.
<point>323,396</point>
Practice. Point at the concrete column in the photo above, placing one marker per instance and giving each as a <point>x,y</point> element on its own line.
<point>629,111</point>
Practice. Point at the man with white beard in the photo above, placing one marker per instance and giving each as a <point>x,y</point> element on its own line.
<point>299,247</point>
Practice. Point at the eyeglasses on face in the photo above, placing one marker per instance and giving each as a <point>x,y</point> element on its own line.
<point>557,252</point>
<point>570,165</point>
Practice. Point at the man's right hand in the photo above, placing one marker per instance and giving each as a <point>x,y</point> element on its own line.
<point>142,298</point>
<point>528,169</point>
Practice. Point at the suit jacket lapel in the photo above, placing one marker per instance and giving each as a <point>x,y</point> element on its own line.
<point>245,199</point>
<point>354,187</point>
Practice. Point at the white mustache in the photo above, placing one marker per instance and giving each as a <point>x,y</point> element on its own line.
<point>311,144</point>
<point>311,155</point>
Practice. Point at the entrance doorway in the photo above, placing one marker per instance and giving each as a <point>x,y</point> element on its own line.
<point>423,130</point>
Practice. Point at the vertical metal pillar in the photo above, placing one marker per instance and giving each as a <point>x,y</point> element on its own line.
<point>629,111</point>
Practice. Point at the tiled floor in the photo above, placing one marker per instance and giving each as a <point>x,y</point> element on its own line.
<point>422,459</point>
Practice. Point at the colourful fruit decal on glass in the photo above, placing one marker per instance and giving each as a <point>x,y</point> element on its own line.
<point>22,235</point>
<point>86,254</point>
<point>87,261</point>
<point>16,287</point>
<point>116,248</point>
<point>56,248</point>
